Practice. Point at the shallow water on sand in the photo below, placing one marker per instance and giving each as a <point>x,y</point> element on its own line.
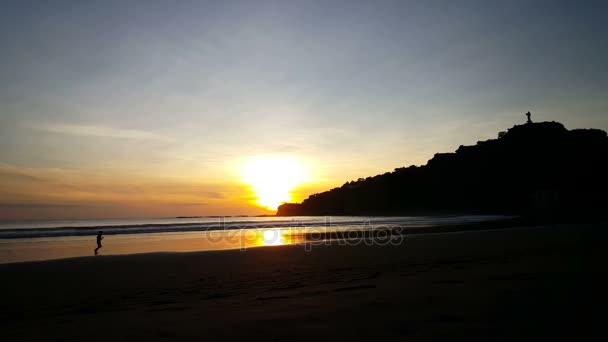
<point>44,240</point>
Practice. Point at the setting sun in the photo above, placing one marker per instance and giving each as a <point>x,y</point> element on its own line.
<point>272,178</point>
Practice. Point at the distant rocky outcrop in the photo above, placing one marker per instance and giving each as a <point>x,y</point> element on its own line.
<point>535,167</point>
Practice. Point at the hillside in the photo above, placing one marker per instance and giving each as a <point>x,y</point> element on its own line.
<point>535,167</point>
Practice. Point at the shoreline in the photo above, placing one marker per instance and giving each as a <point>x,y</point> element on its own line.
<point>289,236</point>
<point>326,242</point>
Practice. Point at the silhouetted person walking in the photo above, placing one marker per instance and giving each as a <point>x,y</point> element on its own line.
<point>529,115</point>
<point>99,238</point>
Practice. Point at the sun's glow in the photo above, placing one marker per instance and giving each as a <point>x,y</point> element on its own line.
<point>273,178</point>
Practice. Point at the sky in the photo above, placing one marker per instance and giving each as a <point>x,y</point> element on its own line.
<point>151,108</point>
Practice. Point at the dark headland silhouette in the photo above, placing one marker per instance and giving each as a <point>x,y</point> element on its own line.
<point>539,169</point>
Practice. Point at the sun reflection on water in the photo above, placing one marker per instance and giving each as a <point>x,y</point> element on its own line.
<point>272,237</point>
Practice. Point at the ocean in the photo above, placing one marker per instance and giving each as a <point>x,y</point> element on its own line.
<point>54,239</point>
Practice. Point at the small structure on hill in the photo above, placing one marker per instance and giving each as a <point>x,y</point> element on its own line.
<point>529,115</point>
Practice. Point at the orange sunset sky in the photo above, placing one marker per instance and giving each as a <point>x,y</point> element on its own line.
<point>161,108</point>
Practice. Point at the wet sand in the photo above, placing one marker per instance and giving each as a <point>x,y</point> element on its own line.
<point>507,284</point>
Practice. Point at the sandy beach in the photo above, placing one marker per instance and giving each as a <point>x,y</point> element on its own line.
<point>506,284</point>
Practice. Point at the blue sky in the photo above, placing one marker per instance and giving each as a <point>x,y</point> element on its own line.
<point>179,92</point>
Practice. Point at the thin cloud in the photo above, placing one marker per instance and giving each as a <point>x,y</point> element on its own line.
<point>12,173</point>
<point>39,205</point>
<point>97,131</point>
<point>216,195</point>
<point>190,204</point>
